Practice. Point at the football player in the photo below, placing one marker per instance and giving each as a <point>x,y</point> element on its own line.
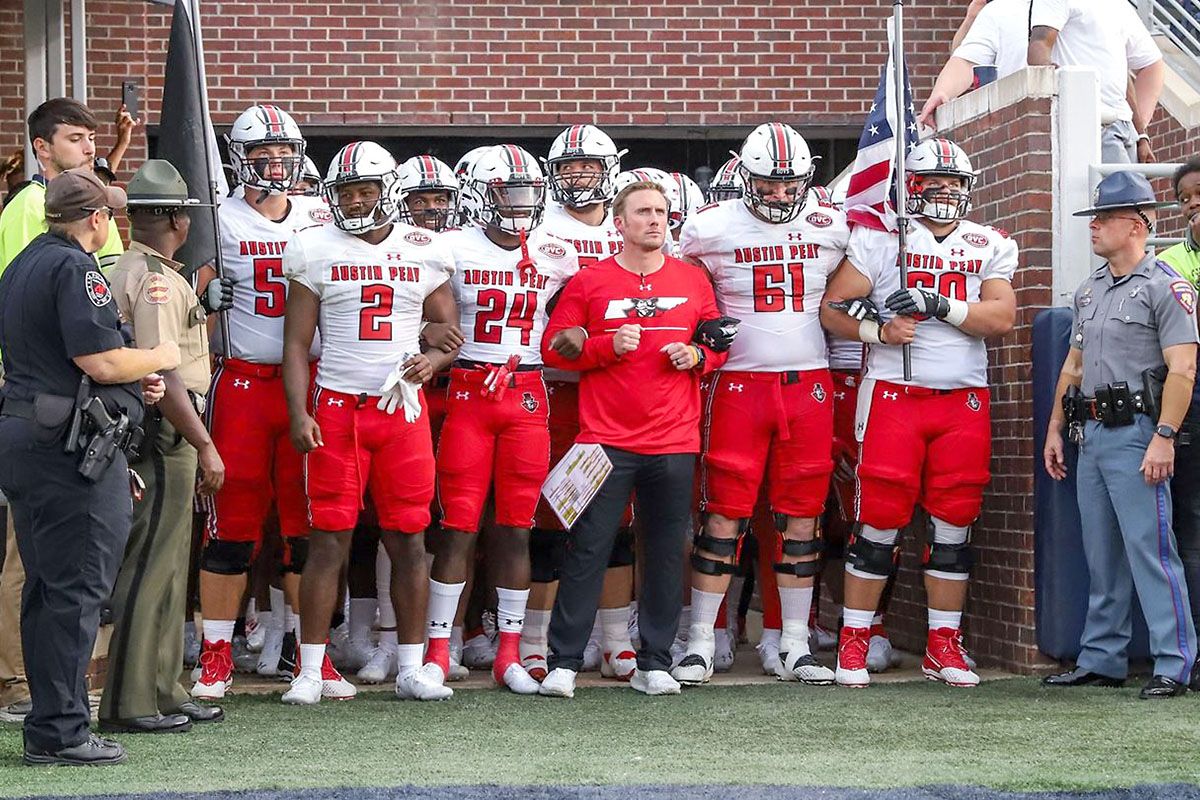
<point>309,184</point>
<point>428,193</point>
<point>927,440</point>
<point>727,183</point>
<point>369,280</point>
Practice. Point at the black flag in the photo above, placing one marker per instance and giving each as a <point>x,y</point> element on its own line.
<point>185,138</point>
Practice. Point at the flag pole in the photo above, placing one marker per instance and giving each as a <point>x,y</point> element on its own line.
<point>193,7</point>
<point>901,135</point>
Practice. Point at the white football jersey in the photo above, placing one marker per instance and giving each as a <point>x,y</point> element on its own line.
<point>372,298</point>
<point>845,354</point>
<point>771,277</point>
<point>502,312</point>
<point>943,356</point>
<point>592,242</point>
<point>252,249</point>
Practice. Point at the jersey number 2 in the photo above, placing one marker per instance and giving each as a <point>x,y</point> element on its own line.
<point>377,307</point>
<point>770,281</point>
<point>492,307</point>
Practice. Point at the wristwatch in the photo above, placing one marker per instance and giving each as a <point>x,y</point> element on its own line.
<point>1166,431</point>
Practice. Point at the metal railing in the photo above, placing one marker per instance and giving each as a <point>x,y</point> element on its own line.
<point>1178,20</point>
<point>1151,171</point>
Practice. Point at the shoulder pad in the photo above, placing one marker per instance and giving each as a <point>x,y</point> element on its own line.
<point>1003,233</point>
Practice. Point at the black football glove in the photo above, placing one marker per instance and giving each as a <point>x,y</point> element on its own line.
<point>910,302</point>
<point>218,295</point>
<point>860,308</point>
<point>717,334</point>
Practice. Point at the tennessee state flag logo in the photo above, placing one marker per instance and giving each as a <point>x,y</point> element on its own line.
<point>641,307</point>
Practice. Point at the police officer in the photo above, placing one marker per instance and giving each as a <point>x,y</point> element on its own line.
<point>58,324</point>
<point>1132,317</point>
<point>142,693</point>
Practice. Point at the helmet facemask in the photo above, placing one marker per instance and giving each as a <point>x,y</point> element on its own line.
<point>942,203</point>
<point>776,211</point>
<point>581,188</point>
<point>381,213</point>
<point>259,172</point>
<point>432,217</point>
<point>513,206</point>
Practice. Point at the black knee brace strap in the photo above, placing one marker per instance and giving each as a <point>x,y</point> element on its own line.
<point>226,558</point>
<point>800,548</point>
<point>957,558</point>
<point>869,557</point>
<point>546,549</point>
<point>295,554</point>
<point>622,552</point>
<point>801,569</point>
<point>718,547</point>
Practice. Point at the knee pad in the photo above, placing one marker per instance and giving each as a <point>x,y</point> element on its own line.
<point>873,558</point>
<point>295,554</point>
<point>948,550</point>
<point>226,558</point>
<point>622,552</point>
<point>800,548</point>
<point>546,549</point>
<point>718,547</point>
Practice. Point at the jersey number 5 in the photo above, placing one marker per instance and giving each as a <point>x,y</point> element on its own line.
<point>271,287</point>
<point>492,307</point>
<point>377,307</point>
<point>770,282</point>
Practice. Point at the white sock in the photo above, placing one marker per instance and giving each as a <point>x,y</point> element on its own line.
<point>704,609</point>
<point>795,605</point>
<point>456,635</point>
<point>388,641</point>
<point>291,621</point>
<point>383,589</point>
<point>536,631</point>
<point>614,627</point>
<point>940,619</point>
<point>510,608</point>
<point>443,603</point>
<point>311,658</point>
<point>218,630</point>
<point>857,618</point>
<point>362,617</point>
<point>408,658</point>
<point>685,621</point>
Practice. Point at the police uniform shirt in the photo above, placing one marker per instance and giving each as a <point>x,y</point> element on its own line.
<point>54,306</point>
<point>161,306</point>
<point>1122,325</point>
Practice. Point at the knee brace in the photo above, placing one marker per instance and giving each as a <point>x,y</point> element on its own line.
<point>622,552</point>
<point>226,558</point>
<point>948,553</point>
<point>869,557</point>
<point>800,548</point>
<point>546,549</point>
<point>718,547</point>
<point>295,554</point>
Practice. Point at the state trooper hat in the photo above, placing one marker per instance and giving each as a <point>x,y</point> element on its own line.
<point>78,193</point>
<point>157,184</point>
<point>1123,190</point>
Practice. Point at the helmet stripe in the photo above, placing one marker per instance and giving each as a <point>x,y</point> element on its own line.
<point>783,153</point>
<point>575,137</point>
<point>428,169</point>
<point>348,156</point>
<point>516,160</point>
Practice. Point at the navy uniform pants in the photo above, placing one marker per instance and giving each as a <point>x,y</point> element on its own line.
<point>71,534</point>
<point>1129,546</point>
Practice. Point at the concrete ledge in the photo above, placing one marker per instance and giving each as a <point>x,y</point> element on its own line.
<point>1029,82</point>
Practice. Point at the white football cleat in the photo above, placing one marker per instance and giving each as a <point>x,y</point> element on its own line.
<point>457,671</point>
<point>618,666</point>
<point>654,682</point>
<point>534,663</point>
<point>723,655</point>
<point>559,682</point>
<point>696,666</point>
<point>592,656</point>
<point>268,657</point>
<point>304,691</point>
<point>479,652</point>
<point>423,683</point>
<point>768,652</point>
<point>804,667</point>
<point>256,633</point>
<point>880,654</point>
<point>517,680</point>
<point>333,685</point>
<point>380,667</point>
<point>635,633</point>
<point>679,647</point>
<point>216,672</point>
<point>244,659</point>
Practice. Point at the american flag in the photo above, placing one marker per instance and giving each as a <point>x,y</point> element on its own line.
<point>871,195</point>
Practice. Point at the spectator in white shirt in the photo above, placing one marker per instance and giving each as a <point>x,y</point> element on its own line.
<point>1108,36</point>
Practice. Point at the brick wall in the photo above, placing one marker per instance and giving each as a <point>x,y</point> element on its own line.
<point>1172,143</point>
<point>480,63</point>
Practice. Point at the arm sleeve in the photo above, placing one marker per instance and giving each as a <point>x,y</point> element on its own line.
<point>157,311</point>
<point>982,44</point>
<point>1175,311</point>
<point>1049,14</point>
<point>571,312</point>
<point>87,325</point>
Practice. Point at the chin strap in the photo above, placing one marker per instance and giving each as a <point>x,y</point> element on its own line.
<point>525,267</point>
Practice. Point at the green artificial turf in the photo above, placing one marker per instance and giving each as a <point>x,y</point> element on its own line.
<point>1007,734</point>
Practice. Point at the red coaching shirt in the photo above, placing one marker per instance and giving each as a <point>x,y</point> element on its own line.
<point>637,402</point>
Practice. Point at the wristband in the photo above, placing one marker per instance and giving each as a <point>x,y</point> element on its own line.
<point>1143,137</point>
<point>870,331</point>
<point>584,330</point>
<point>699,356</point>
<point>957,314</point>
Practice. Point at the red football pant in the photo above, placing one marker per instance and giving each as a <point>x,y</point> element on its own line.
<point>758,421</point>
<point>564,427</point>
<point>926,446</point>
<point>365,450</point>
<point>435,398</point>
<point>767,539</point>
<point>845,448</point>
<point>248,421</point>
<point>484,441</point>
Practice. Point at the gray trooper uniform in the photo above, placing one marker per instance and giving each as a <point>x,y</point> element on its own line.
<point>1122,325</point>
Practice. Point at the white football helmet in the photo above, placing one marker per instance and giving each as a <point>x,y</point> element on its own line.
<point>663,179</point>
<point>727,184</point>
<point>312,176</point>
<point>427,174</point>
<point>507,189</point>
<point>259,125</point>
<point>691,198</point>
<point>775,153</point>
<point>939,157</point>
<point>467,201</point>
<point>359,162</point>
<point>579,189</point>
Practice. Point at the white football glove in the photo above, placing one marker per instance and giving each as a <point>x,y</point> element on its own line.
<point>396,392</point>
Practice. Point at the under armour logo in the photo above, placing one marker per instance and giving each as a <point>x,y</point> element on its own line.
<point>735,387</point>
<point>973,402</point>
<point>507,621</point>
<point>818,393</point>
<point>442,625</point>
<point>241,383</point>
<point>462,395</point>
<point>336,401</point>
<point>839,395</point>
<point>891,395</point>
<point>958,252</point>
<point>795,236</point>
